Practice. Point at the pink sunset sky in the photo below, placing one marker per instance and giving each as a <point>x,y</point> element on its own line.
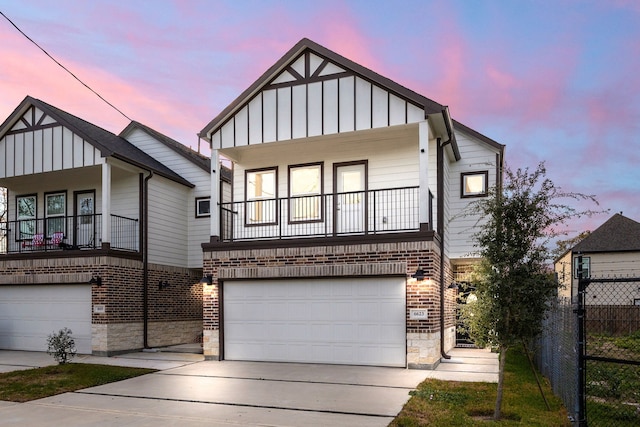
<point>554,80</point>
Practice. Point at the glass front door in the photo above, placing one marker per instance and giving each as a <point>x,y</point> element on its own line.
<point>85,221</point>
<point>350,198</point>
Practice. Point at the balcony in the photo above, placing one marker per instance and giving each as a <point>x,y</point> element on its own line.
<point>328,215</point>
<point>67,233</point>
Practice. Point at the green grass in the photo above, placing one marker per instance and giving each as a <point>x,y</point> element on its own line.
<point>30,384</point>
<point>445,404</point>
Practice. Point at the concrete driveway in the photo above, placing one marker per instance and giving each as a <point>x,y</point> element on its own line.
<point>208,393</point>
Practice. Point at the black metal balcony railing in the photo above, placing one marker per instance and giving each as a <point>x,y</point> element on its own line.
<point>350,213</point>
<point>67,232</point>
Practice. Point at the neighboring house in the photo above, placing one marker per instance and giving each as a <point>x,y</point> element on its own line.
<point>344,235</point>
<point>126,213</point>
<point>610,251</point>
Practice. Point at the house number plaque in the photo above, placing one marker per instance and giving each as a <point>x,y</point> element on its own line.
<point>417,313</point>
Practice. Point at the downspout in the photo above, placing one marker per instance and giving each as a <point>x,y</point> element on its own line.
<point>145,258</point>
<point>440,230</point>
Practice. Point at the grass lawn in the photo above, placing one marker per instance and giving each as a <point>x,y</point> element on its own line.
<point>30,384</point>
<point>441,403</point>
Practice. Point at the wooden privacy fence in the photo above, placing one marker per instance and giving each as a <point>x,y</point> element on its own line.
<point>613,320</point>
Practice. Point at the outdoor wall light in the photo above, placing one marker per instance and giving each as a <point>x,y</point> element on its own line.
<point>96,280</point>
<point>453,285</point>
<point>163,285</point>
<point>419,274</point>
<point>207,279</point>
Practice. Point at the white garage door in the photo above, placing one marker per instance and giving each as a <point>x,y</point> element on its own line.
<point>30,313</point>
<point>341,321</point>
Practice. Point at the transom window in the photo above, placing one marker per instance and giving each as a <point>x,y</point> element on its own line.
<point>305,192</point>
<point>474,184</point>
<point>260,187</point>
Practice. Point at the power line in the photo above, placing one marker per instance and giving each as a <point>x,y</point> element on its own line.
<point>63,67</point>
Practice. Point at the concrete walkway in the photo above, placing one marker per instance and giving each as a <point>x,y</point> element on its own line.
<point>189,391</point>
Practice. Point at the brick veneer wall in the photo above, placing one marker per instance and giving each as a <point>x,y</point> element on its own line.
<point>355,260</point>
<point>174,313</point>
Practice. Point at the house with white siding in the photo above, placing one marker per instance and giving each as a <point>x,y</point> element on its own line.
<point>103,233</point>
<point>342,239</point>
<point>610,251</point>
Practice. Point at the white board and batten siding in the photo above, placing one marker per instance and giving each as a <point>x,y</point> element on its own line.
<point>476,156</point>
<point>27,148</point>
<point>297,105</point>
<point>197,228</point>
<point>340,321</point>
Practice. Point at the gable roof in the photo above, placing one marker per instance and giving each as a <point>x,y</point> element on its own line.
<point>196,158</point>
<point>618,234</point>
<point>429,106</point>
<point>109,144</point>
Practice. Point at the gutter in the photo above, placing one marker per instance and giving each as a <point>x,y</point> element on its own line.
<point>145,258</point>
<point>440,230</point>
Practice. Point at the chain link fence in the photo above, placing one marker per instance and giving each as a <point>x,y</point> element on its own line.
<point>556,352</point>
<point>612,352</point>
<point>590,351</point>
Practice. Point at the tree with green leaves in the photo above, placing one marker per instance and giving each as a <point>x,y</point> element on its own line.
<point>513,282</point>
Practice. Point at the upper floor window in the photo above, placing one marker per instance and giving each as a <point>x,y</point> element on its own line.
<point>260,188</point>
<point>55,212</point>
<point>474,184</point>
<point>203,207</point>
<point>586,267</point>
<point>26,211</point>
<point>305,192</point>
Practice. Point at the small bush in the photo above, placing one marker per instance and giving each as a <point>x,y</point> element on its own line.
<point>61,346</point>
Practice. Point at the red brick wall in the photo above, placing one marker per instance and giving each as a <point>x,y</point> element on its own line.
<point>403,258</point>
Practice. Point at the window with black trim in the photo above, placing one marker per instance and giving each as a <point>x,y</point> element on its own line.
<point>26,214</point>
<point>474,184</point>
<point>203,207</point>
<point>305,192</point>
<point>260,190</point>
<point>55,210</point>
<point>586,267</point>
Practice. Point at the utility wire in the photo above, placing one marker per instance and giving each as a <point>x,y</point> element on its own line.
<point>63,67</point>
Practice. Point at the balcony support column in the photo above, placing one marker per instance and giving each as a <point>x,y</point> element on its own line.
<point>106,203</point>
<point>215,196</point>
<point>423,158</point>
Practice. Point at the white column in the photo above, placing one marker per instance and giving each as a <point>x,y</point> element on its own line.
<point>423,161</point>
<point>215,193</point>
<point>106,202</point>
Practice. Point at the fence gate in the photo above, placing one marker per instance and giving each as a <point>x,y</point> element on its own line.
<point>609,352</point>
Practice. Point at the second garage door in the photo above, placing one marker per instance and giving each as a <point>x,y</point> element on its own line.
<point>341,321</point>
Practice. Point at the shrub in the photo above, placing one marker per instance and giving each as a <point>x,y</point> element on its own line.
<point>61,346</point>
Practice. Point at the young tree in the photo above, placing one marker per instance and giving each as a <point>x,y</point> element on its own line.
<point>513,283</point>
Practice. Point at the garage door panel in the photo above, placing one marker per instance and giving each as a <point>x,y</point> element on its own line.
<point>316,321</point>
<point>30,313</point>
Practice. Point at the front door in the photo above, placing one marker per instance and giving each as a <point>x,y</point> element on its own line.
<point>85,221</point>
<point>350,201</point>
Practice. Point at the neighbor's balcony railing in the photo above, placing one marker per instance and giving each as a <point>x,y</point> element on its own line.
<point>351,213</point>
<point>67,232</point>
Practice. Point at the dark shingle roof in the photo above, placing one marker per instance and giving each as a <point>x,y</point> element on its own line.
<point>198,159</point>
<point>109,144</point>
<point>618,234</point>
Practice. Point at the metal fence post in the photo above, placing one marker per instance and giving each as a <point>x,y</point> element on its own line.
<point>582,368</point>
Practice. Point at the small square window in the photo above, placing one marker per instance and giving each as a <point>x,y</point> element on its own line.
<point>474,184</point>
<point>203,207</point>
